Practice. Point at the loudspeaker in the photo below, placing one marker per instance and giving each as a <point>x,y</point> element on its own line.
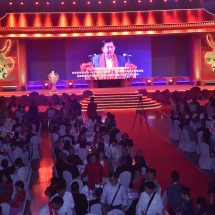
<point>9,88</point>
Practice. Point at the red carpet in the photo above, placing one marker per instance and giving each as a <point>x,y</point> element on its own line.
<point>161,155</point>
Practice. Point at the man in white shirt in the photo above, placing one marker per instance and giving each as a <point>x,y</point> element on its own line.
<point>144,206</point>
<point>111,190</point>
<point>15,152</point>
<point>68,206</point>
<point>52,207</point>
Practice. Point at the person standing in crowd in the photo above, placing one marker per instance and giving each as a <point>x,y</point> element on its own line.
<point>91,109</point>
<point>114,195</point>
<point>175,202</point>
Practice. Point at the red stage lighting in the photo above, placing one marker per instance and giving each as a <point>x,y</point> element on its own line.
<point>10,3</point>
<point>149,82</point>
<point>165,0</point>
<point>99,2</point>
<point>74,2</point>
<point>36,3</point>
<point>88,2</point>
<point>139,1</point>
<point>170,82</point>
<point>62,2</point>
<point>150,1</point>
<point>125,2</point>
<point>47,2</point>
<point>21,3</point>
<point>114,2</point>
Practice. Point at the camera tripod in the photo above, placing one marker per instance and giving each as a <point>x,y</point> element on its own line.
<point>141,112</point>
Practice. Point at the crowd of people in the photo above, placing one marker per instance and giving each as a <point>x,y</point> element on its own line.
<point>95,152</point>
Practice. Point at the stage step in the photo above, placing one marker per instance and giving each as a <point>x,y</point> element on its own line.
<point>134,101</point>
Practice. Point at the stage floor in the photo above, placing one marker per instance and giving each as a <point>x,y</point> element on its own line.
<point>116,90</point>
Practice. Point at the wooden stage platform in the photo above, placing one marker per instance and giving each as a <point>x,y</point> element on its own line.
<point>129,89</point>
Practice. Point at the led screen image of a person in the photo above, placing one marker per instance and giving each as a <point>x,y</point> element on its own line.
<point>108,58</point>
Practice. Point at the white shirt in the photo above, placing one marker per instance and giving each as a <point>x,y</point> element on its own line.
<point>45,210</point>
<point>114,153</point>
<point>109,193</point>
<point>16,153</point>
<point>22,173</point>
<point>67,205</point>
<point>156,205</point>
<point>109,62</point>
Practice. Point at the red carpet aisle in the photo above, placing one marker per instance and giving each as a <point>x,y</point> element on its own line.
<point>160,154</point>
<point>41,181</point>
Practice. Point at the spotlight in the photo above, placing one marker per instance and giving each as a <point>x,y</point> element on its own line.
<point>149,82</point>
<point>10,3</point>
<point>170,82</point>
<point>62,2</point>
<point>46,85</point>
<point>74,2</point>
<point>114,2</point>
<point>21,3</point>
<point>99,2</point>
<point>88,2</point>
<point>125,2</point>
<point>70,85</point>
<point>47,2</point>
<point>36,3</point>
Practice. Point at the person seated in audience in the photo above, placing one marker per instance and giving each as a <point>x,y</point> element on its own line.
<point>98,124</point>
<point>17,124</point>
<point>64,110</point>
<point>68,135</point>
<point>155,207</point>
<point>6,188</point>
<point>206,138</point>
<point>98,141</point>
<point>22,145</point>
<point>203,207</point>
<point>110,189</point>
<point>138,163</point>
<point>82,138</point>
<point>61,164</point>
<point>66,145</point>
<point>136,179</point>
<point>6,143</point>
<point>71,167</point>
<point>94,171</point>
<point>127,156</point>
<point>6,168</point>
<point>92,109</point>
<point>151,177</point>
<point>81,203</point>
<point>68,206</point>
<point>204,129</point>
<point>83,152</point>
<point>15,152</point>
<point>21,170</point>
<point>52,207</point>
<point>97,200</point>
<point>105,162</point>
<point>187,207</point>
<point>126,142</point>
<point>114,152</point>
<point>123,166</point>
<point>113,131</point>
<point>77,159</point>
<point>57,149</point>
<point>19,198</point>
<point>51,112</point>
<point>174,200</point>
<point>61,142</point>
<point>196,104</point>
<point>51,189</point>
<point>189,129</point>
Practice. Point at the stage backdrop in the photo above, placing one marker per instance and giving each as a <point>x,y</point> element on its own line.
<point>8,63</point>
<point>208,57</point>
<point>156,55</point>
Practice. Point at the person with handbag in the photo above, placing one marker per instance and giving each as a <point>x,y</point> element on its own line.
<point>150,202</point>
<point>114,195</point>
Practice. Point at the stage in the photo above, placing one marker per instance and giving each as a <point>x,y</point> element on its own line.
<point>118,90</point>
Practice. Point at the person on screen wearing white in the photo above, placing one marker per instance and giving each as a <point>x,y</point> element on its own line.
<point>108,58</point>
<point>68,206</point>
<point>156,206</point>
<point>52,207</point>
<point>109,192</point>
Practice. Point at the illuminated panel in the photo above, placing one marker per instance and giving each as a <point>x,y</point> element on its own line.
<point>88,20</point>
<point>75,20</point>
<point>139,18</point>
<point>48,20</point>
<point>37,20</point>
<point>114,19</point>
<point>100,20</point>
<point>63,20</point>
<point>11,20</point>
<point>125,18</point>
<point>22,20</point>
